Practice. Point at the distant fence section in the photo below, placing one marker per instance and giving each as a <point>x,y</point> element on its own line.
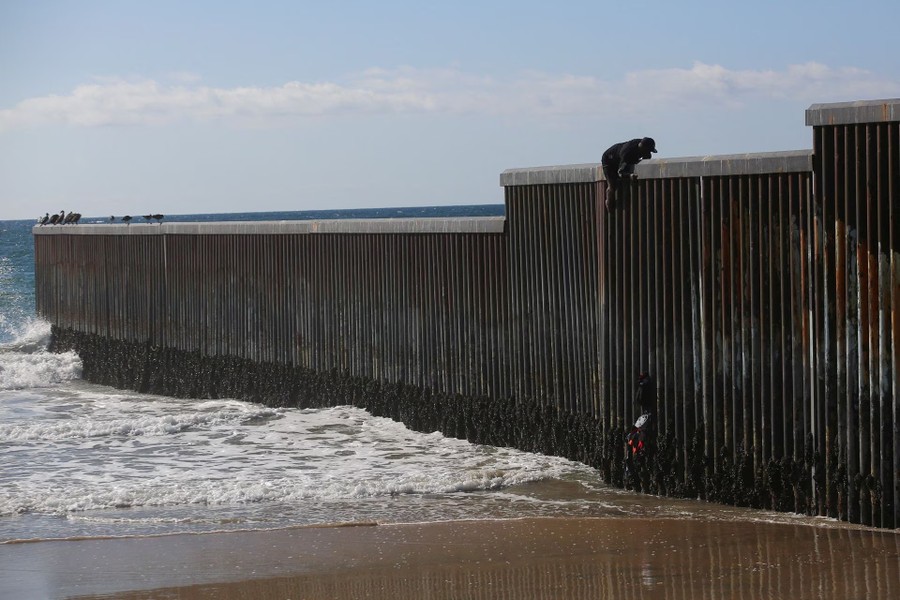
<point>761,292</point>
<point>394,300</point>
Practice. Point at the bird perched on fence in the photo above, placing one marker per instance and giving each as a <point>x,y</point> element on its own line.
<point>57,218</point>
<point>148,217</point>
<point>46,219</point>
<point>158,217</point>
<point>126,219</point>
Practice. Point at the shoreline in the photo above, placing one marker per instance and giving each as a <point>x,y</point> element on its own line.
<point>551,557</point>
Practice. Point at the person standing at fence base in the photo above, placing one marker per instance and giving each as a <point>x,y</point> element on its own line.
<point>618,163</point>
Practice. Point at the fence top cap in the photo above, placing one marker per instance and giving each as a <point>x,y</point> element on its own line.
<point>789,161</point>
<point>854,113</point>
<point>421,225</point>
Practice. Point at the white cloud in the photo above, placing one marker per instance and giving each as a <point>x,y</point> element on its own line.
<point>705,84</point>
<point>149,102</point>
<point>406,90</point>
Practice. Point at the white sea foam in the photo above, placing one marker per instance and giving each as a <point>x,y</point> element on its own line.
<point>150,425</point>
<point>73,448</point>
<point>110,461</point>
<point>115,451</point>
<point>30,335</point>
<point>25,362</point>
<point>38,369</point>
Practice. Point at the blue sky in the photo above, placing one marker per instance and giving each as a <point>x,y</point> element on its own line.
<point>176,107</point>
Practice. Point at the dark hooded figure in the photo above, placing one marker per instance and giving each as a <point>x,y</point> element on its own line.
<point>618,162</point>
<point>640,441</point>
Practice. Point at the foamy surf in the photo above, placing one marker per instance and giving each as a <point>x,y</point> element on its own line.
<point>149,426</point>
<point>29,335</point>
<point>151,463</point>
<point>84,459</point>
<point>26,363</point>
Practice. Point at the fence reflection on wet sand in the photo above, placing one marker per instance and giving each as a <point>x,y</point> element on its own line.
<point>561,558</point>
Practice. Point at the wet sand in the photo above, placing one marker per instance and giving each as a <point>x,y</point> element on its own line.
<point>528,558</point>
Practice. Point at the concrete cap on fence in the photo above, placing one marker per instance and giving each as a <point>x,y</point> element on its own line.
<point>853,113</point>
<point>370,226</point>
<point>758,163</point>
<point>584,173</point>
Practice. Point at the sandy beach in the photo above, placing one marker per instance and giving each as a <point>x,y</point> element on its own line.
<point>528,558</point>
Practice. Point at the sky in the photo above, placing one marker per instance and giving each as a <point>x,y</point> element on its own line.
<point>121,107</point>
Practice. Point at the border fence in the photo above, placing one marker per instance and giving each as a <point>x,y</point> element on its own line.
<point>760,291</point>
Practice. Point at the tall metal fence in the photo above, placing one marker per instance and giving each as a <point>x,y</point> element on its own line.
<point>855,297</point>
<point>761,292</point>
<point>701,281</point>
<point>416,303</point>
<point>554,278</point>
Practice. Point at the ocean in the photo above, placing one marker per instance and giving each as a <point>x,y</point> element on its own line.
<point>84,460</point>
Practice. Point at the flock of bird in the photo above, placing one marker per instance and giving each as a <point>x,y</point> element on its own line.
<point>61,219</point>
<point>127,218</point>
<point>72,218</point>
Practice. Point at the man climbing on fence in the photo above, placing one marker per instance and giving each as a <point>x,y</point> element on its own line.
<point>618,163</point>
<point>640,441</point>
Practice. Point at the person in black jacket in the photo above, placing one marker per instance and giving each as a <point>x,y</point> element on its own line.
<point>618,161</point>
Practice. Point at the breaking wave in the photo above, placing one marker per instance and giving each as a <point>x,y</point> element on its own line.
<point>26,363</point>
